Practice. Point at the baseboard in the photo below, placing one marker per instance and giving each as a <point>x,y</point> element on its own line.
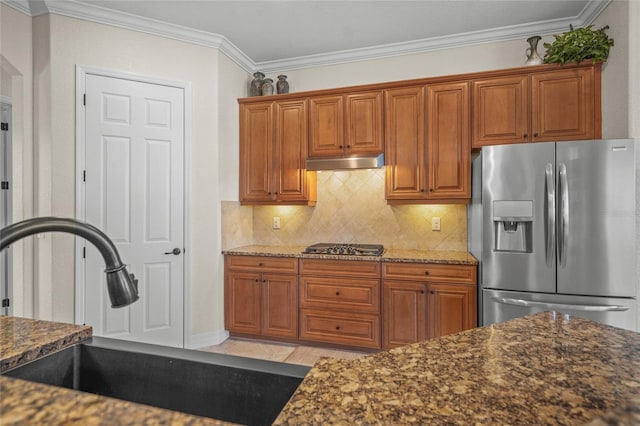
<point>202,340</point>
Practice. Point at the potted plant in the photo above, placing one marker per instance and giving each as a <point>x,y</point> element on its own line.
<point>579,44</point>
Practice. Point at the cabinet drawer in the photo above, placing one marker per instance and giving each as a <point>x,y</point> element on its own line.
<point>360,295</point>
<point>342,268</point>
<point>262,263</point>
<point>430,272</point>
<point>343,328</point>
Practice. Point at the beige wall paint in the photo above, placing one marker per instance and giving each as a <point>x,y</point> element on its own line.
<point>17,66</point>
<point>74,41</point>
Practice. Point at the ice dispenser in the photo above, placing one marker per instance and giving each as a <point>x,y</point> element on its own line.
<point>512,223</point>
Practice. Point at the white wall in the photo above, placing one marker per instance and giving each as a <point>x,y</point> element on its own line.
<point>17,68</point>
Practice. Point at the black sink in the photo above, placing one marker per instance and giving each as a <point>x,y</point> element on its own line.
<point>230,388</point>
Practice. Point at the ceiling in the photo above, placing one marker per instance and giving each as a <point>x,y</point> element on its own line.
<point>295,33</point>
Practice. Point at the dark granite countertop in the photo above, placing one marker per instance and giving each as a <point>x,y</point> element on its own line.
<point>27,403</point>
<point>389,255</point>
<point>541,369</point>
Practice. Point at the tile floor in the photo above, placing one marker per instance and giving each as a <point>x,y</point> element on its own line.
<point>283,352</point>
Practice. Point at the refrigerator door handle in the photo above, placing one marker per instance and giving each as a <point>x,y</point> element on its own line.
<point>560,306</point>
<point>563,225</point>
<point>551,216</point>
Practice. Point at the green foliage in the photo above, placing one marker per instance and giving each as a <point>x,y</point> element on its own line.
<point>578,45</point>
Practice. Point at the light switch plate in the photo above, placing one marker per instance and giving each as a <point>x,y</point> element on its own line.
<point>435,223</point>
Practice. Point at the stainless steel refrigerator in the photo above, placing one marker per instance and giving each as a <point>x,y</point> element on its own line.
<point>554,228</point>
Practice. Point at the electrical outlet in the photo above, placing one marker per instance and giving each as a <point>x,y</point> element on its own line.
<point>435,223</point>
<point>276,222</point>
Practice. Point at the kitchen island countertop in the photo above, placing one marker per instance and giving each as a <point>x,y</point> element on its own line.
<point>541,369</point>
<point>390,254</point>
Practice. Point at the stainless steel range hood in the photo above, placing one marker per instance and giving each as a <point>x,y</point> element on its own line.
<point>347,163</point>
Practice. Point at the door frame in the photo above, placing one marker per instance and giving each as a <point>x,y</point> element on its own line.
<point>6,100</point>
<point>81,73</point>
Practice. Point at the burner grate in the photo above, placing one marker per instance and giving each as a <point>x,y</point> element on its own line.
<point>346,249</point>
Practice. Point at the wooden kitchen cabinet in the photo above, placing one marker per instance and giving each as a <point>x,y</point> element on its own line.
<point>273,154</point>
<point>422,301</point>
<point>345,124</point>
<point>340,302</point>
<point>261,296</point>
<point>539,106</point>
<point>432,165</point>
<point>448,141</point>
<point>452,308</point>
<point>405,148</point>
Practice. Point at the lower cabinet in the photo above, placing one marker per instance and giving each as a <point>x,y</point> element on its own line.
<point>261,296</point>
<point>423,301</point>
<point>344,302</point>
<point>340,302</point>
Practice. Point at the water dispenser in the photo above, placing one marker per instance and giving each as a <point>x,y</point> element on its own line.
<point>512,223</point>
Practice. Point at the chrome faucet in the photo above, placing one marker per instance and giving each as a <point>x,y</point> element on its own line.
<point>122,286</point>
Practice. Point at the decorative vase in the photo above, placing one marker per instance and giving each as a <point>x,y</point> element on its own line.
<point>532,51</point>
<point>255,89</point>
<point>282,85</point>
<point>267,87</point>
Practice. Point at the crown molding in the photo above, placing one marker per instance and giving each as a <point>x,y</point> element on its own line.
<point>588,14</point>
<point>128,21</point>
<point>89,12</point>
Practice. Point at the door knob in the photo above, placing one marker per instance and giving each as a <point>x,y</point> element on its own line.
<point>176,251</point>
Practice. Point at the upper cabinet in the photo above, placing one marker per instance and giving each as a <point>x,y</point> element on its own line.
<point>427,143</point>
<point>425,127</point>
<point>273,154</point>
<point>345,124</point>
<point>547,104</point>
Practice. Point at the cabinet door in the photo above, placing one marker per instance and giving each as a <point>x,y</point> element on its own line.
<point>452,308</point>
<point>500,110</point>
<point>448,143</point>
<point>326,126</point>
<point>563,106</point>
<point>405,144</point>
<point>242,302</point>
<point>280,305</point>
<point>256,152</point>
<point>404,313</point>
<point>364,123</point>
<point>291,183</point>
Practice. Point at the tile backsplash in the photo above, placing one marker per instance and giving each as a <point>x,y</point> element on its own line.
<point>351,209</point>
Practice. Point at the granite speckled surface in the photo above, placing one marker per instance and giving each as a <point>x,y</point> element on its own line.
<point>541,369</point>
<point>389,255</point>
<point>28,403</point>
<point>23,340</point>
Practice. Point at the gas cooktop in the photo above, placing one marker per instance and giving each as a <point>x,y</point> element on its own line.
<point>346,249</point>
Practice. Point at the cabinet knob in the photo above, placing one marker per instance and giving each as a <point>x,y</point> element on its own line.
<point>257,280</point>
<point>269,192</point>
<point>430,189</point>
<point>337,327</point>
<point>264,281</point>
<point>426,272</point>
<point>348,146</point>
<point>340,147</point>
<point>526,135</point>
<point>276,192</point>
<point>432,292</point>
<point>421,189</point>
<point>421,291</point>
<point>260,264</point>
<point>535,135</point>
<point>337,293</point>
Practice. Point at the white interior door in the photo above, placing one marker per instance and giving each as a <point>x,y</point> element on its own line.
<point>134,192</point>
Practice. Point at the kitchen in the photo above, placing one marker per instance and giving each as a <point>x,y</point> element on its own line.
<point>213,207</point>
